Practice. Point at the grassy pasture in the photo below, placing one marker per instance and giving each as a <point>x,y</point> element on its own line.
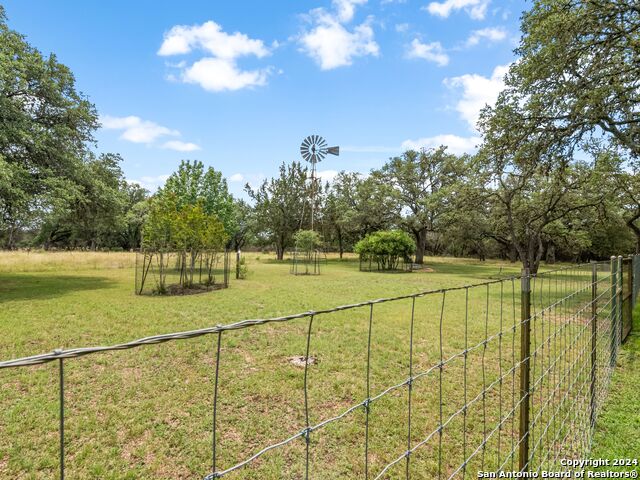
<point>147,412</point>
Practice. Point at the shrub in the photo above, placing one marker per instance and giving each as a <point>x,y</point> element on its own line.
<point>307,240</point>
<point>386,247</point>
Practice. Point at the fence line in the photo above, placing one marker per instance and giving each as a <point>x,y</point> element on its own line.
<point>541,376</point>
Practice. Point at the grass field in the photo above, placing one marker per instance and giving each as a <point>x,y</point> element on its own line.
<point>147,413</point>
<point>618,432</point>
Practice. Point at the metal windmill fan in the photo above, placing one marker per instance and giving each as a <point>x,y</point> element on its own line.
<point>314,149</point>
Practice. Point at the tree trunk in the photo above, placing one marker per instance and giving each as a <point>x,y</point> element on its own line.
<point>551,254</point>
<point>513,253</point>
<point>631,224</point>
<point>421,245</point>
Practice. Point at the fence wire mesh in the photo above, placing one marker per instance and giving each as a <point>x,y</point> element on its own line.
<point>505,375</point>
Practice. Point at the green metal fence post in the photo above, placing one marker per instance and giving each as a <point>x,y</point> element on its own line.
<point>525,368</point>
<point>594,338</point>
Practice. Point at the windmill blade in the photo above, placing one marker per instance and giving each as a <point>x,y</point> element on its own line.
<point>333,151</point>
<point>322,143</point>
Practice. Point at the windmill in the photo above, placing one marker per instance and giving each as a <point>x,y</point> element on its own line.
<point>313,149</point>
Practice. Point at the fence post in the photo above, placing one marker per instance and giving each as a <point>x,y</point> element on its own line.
<point>237,264</point>
<point>525,367</point>
<point>620,299</point>
<point>614,308</point>
<point>594,338</point>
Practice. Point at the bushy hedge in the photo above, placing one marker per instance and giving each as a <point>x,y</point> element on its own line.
<point>387,248</point>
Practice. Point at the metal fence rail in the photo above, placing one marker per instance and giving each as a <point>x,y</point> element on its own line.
<point>519,389</point>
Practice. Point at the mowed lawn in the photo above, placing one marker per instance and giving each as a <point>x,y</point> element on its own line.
<point>147,413</point>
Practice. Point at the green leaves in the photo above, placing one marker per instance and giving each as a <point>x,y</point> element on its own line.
<point>279,205</point>
<point>188,228</point>
<point>46,125</point>
<point>387,242</point>
<point>307,240</point>
<point>192,184</point>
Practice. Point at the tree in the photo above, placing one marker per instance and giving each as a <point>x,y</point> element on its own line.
<point>340,212</point>
<point>279,205</point>
<point>533,193</point>
<point>578,71</point>
<point>91,214</point>
<point>628,183</point>
<point>183,228</point>
<point>136,209</point>
<point>245,222</point>
<point>192,184</point>
<point>574,84</point>
<point>424,184</point>
<point>46,125</point>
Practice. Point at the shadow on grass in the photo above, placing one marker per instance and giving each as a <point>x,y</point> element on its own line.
<point>19,286</point>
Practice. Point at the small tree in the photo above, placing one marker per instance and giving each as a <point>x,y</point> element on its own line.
<point>158,236</point>
<point>307,240</point>
<point>387,248</point>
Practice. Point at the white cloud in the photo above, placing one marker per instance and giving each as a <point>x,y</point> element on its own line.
<point>401,27</point>
<point>346,8</point>
<point>209,36</point>
<point>492,34</point>
<point>476,9</point>
<point>454,143</point>
<point>150,183</point>
<point>135,129</point>
<point>433,52</point>
<point>217,75</point>
<point>218,70</point>
<point>330,43</point>
<point>477,91</point>
<point>236,177</point>
<point>180,146</point>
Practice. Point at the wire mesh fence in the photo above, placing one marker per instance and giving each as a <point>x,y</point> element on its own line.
<point>159,273</point>
<point>505,375</point>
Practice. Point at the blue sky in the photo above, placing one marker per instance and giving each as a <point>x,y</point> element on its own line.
<point>239,84</point>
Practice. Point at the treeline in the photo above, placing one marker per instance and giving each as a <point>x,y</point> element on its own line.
<point>554,177</point>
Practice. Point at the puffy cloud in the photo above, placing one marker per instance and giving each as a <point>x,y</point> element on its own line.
<point>432,52</point>
<point>236,177</point>
<point>454,143</point>
<point>492,34</point>
<point>330,43</point>
<point>217,75</point>
<point>346,9</point>
<point>136,130</point>
<point>209,37</point>
<point>476,92</point>
<point>218,70</point>
<point>476,9</point>
<point>179,146</point>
